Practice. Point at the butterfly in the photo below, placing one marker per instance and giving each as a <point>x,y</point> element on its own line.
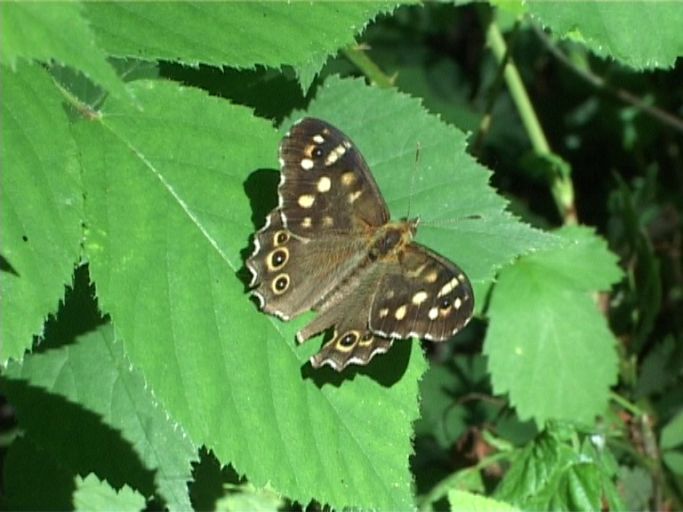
<point>329,246</point>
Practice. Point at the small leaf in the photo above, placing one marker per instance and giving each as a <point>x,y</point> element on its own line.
<point>467,501</point>
<point>93,494</point>
<point>672,433</point>
<point>550,475</point>
<point>674,461</point>
<point>548,345</point>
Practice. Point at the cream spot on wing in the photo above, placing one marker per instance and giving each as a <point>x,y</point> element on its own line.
<point>433,313</point>
<point>390,294</point>
<point>282,161</point>
<point>328,221</point>
<point>457,303</point>
<point>318,138</point>
<point>348,178</point>
<point>306,200</point>
<point>307,164</point>
<point>383,312</point>
<point>417,271</point>
<point>324,184</point>
<point>420,297</point>
<point>400,313</point>
<point>448,287</point>
<point>306,223</point>
<point>353,196</point>
<point>335,154</point>
<point>432,276</point>
<point>347,144</point>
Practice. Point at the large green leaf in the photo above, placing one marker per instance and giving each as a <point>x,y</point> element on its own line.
<point>169,212</point>
<point>95,374</point>
<point>238,34</point>
<point>38,31</point>
<point>614,29</point>
<point>548,345</point>
<point>169,218</point>
<point>41,205</point>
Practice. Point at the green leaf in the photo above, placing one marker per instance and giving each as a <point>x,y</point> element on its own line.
<point>636,486</point>
<point>607,28</point>
<point>37,31</point>
<point>169,218</point>
<point>441,387</point>
<point>95,374</point>
<point>302,35</point>
<point>461,500</point>
<point>550,475</point>
<point>41,200</point>
<point>460,215</point>
<point>674,461</point>
<point>95,494</point>
<point>672,433</point>
<point>548,345</point>
<point>248,497</point>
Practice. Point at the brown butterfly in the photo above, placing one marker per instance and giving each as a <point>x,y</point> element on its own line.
<point>329,246</point>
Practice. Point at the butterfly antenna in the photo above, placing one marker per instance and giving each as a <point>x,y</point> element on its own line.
<point>412,178</point>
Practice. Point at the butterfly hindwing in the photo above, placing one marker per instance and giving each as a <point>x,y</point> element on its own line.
<point>325,183</point>
<point>422,295</point>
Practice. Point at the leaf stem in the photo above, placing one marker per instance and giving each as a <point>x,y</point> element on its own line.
<point>632,408</point>
<point>357,55</point>
<point>561,186</point>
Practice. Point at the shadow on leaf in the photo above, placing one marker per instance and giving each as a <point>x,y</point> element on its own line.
<point>261,189</point>
<point>386,369</point>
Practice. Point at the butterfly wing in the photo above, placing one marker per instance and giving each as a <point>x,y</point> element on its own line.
<point>347,312</point>
<point>422,295</point>
<point>325,185</point>
<point>291,274</point>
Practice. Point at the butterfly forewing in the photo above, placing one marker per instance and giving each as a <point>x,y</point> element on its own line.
<point>325,183</point>
<point>293,274</point>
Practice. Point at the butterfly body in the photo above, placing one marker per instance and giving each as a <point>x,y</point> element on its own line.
<point>329,246</point>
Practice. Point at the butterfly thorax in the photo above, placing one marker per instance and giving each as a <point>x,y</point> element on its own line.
<point>390,239</point>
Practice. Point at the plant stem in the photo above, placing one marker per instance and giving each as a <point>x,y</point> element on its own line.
<point>632,408</point>
<point>367,66</point>
<point>561,186</point>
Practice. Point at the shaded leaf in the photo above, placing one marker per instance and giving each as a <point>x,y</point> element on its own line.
<point>95,374</point>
